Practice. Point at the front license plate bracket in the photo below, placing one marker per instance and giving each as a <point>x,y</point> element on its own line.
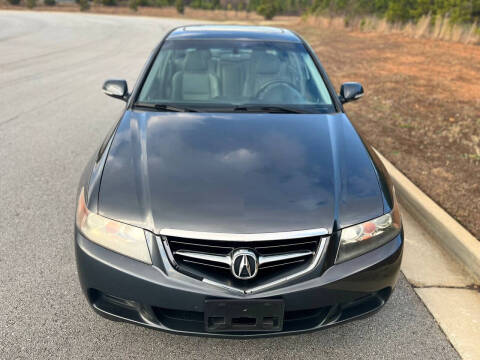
<point>244,315</point>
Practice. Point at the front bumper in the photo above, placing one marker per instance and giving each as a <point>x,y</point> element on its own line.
<point>120,288</point>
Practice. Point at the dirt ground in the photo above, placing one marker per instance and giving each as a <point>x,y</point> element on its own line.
<point>421,107</point>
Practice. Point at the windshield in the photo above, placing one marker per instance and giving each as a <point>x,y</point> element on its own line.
<point>219,75</point>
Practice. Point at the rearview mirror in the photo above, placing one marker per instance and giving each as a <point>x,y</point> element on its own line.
<point>350,91</point>
<point>116,88</point>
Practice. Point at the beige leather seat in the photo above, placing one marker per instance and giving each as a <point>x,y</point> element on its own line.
<point>195,82</point>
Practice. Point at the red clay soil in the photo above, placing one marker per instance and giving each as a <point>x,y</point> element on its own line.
<point>421,108</point>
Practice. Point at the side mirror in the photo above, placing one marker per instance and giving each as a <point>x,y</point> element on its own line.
<point>116,88</point>
<point>350,91</point>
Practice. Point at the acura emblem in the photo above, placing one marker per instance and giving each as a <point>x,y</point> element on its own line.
<point>244,264</point>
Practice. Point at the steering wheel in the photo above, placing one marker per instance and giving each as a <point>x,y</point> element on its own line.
<point>282,85</point>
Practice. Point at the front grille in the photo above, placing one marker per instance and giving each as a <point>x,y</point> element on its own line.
<point>212,258</point>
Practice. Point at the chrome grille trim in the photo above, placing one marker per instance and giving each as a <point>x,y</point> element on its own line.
<point>322,246</point>
<point>203,264</point>
<point>244,237</point>
<point>285,245</point>
<point>319,255</point>
<point>227,259</point>
<point>230,248</point>
<point>203,256</point>
<point>282,264</point>
<point>272,258</point>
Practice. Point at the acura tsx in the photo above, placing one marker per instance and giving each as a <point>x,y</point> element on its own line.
<point>234,197</point>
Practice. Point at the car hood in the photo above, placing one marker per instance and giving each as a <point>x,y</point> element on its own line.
<point>238,173</point>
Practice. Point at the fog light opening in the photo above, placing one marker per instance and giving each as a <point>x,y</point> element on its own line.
<point>364,305</point>
<point>113,306</point>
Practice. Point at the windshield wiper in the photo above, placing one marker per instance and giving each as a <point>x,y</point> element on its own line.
<point>238,108</point>
<point>164,107</point>
<point>268,109</point>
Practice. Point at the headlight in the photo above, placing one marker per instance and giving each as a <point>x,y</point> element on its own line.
<point>122,238</point>
<point>361,238</point>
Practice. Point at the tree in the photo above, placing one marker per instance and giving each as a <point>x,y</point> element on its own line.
<point>252,5</point>
<point>133,5</point>
<point>31,3</point>
<point>49,2</point>
<point>161,3</point>
<point>84,5</point>
<point>179,4</point>
<point>109,2</point>
<point>267,9</point>
<point>400,10</point>
<point>14,2</point>
<point>196,4</point>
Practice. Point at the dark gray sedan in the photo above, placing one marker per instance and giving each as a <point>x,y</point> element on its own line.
<point>234,197</point>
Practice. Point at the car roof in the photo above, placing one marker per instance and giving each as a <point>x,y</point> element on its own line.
<point>234,32</point>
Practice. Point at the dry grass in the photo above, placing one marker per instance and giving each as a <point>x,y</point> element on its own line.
<point>441,28</point>
<point>426,27</point>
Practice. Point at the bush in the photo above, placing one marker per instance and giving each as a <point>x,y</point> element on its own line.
<point>267,9</point>
<point>362,24</point>
<point>109,2</point>
<point>84,5</point>
<point>133,5</point>
<point>399,11</point>
<point>31,3</point>
<point>180,6</point>
<point>14,2</point>
<point>160,3</point>
<point>49,2</point>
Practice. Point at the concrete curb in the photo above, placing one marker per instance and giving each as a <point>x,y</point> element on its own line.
<point>446,230</point>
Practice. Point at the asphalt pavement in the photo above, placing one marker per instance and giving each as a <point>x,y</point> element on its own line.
<point>53,116</point>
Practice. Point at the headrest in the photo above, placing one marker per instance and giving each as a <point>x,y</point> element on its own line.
<point>267,64</point>
<point>196,61</point>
